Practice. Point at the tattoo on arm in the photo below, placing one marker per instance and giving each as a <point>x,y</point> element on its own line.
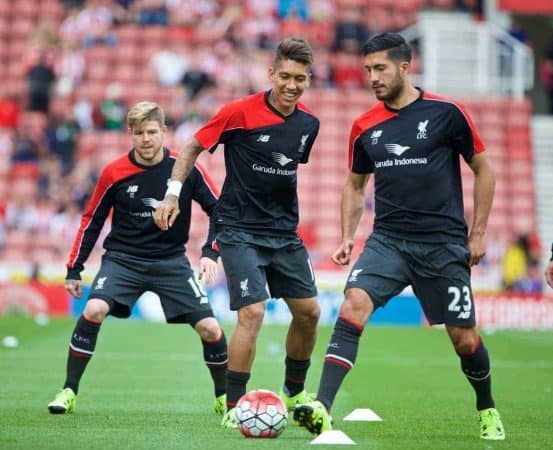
<point>185,162</point>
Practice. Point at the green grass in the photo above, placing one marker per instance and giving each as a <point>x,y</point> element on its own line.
<point>147,388</point>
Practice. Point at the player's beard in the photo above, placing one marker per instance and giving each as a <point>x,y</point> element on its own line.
<point>394,91</point>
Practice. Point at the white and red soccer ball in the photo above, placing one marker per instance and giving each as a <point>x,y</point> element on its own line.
<point>261,414</point>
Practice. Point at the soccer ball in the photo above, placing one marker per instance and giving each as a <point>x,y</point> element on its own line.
<point>261,414</point>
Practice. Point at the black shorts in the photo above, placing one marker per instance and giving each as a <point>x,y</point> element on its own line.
<point>254,262</point>
<point>123,278</point>
<point>438,273</point>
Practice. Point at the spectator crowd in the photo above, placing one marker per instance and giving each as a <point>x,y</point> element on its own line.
<point>85,62</point>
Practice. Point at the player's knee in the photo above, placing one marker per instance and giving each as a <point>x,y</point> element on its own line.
<point>251,316</point>
<point>96,310</point>
<point>465,347</point>
<point>465,343</point>
<point>208,329</point>
<point>309,315</point>
<point>357,306</point>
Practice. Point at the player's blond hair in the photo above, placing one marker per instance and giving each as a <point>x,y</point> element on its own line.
<point>145,111</point>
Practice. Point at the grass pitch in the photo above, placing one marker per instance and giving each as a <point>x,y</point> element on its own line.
<point>147,388</point>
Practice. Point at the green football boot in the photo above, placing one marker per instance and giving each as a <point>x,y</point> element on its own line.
<point>229,419</point>
<point>299,399</point>
<point>313,416</point>
<point>491,427</point>
<point>220,404</point>
<point>64,403</point>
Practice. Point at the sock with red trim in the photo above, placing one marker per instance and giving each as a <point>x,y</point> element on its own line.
<point>236,387</point>
<point>216,360</point>
<point>476,368</point>
<point>81,349</point>
<point>294,376</point>
<point>339,359</point>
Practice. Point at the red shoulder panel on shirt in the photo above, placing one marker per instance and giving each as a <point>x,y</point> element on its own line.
<point>246,113</point>
<point>121,168</point>
<point>304,108</point>
<point>116,170</point>
<point>478,143</point>
<point>113,172</point>
<point>377,114</point>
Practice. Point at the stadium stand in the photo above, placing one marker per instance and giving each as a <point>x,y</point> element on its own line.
<point>39,188</point>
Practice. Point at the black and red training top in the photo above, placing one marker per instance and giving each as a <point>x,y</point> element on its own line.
<point>132,192</point>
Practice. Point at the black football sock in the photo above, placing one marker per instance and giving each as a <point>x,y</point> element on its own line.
<point>236,387</point>
<point>216,359</point>
<point>476,368</point>
<point>339,359</point>
<point>81,349</point>
<point>294,376</point>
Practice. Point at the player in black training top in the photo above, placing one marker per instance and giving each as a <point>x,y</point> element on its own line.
<point>140,257</point>
<point>266,136</point>
<point>412,141</point>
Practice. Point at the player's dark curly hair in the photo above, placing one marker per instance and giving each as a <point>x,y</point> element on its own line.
<point>396,46</point>
<point>296,49</point>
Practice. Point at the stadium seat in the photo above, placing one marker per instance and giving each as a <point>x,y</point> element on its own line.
<point>153,35</point>
<point>503,123</point>
<point>51,10</point>
<point>99,54</point>
<point>4,32</point>
<point>129,34</point>
<point>5,9</point>
<point>17,240</point>
<point>21,28</point>
<point>13,255</point>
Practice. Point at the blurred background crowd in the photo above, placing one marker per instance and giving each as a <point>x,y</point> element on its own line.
<point>72,68</point>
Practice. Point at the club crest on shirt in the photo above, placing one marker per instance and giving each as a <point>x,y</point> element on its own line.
<point>422,130</point>
<point>303,143</point>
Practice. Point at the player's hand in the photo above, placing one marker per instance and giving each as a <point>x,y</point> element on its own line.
<point>477,248</point>
<point>208,271</point>
<point>167,212</point>
<point>342,254</point>
<point>549,274</point>
<point>74,287</point>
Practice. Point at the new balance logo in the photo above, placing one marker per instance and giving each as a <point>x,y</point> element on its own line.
<point>396,149</point>
<point>422,130</point>
<point>281,159</point>
<point>375,135</point>
<point>132,190</point>
<point>244,287</point>
<point>263,138</point>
